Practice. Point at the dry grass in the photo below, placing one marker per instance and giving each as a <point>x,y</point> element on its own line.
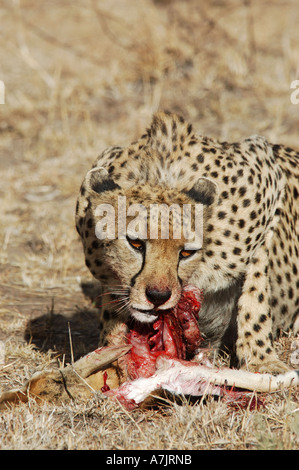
<point>83,75</point>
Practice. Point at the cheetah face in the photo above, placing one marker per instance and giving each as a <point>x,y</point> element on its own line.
<point>152,273</point>
<point>145,273</point>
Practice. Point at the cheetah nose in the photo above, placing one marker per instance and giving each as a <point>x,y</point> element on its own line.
<point>156,296</point>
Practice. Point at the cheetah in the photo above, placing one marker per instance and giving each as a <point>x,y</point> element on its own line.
<point>247,265</point>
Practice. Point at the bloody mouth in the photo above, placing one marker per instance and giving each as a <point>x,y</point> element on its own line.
<point>174,335</point>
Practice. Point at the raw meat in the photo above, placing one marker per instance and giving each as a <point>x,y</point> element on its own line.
<point>175,334</point>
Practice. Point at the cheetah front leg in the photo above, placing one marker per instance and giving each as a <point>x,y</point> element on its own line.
<point>254,344</point>
<point>110,315</point>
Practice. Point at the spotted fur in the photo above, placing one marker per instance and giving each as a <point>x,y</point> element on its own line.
<point>248,264</point>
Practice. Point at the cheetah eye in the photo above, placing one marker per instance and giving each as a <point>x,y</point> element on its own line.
<point>137,244</point>
<point>187,253</point>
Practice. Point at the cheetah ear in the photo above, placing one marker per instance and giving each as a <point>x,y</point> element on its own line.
<point>203,191</point>
<point>98,180</point>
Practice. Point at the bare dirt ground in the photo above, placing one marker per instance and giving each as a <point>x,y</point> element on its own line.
<point>80,76</point>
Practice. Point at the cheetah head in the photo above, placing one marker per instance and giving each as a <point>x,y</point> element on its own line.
<point>143,258</point>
